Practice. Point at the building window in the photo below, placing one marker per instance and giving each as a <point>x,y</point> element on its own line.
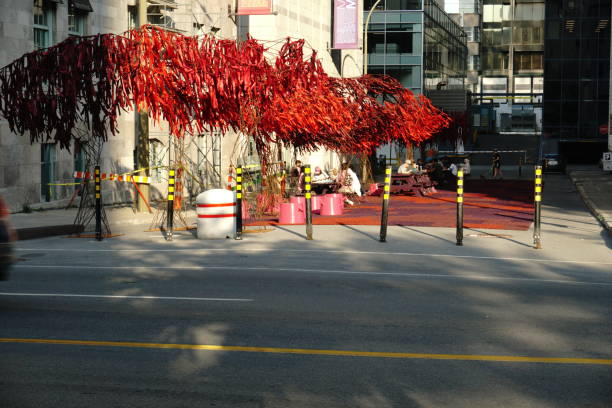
<point>77,16</point>
<point>48,168</point>
<point>44,19</point>
<point>76,22</point>
<point>157,158</point>
<point>80,157</point>
<point>473,34</point>
<point>474,62</point>
<point>394,5</point>
<point>528,61</point>
<point>132,17</point>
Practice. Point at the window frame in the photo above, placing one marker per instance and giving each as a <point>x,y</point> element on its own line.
<point>47,29</point>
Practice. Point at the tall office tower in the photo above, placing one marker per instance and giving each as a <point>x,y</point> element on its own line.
<point>416,42</point>
<point>576,79</point>
<point>468,14</point>
<point>511,55</point>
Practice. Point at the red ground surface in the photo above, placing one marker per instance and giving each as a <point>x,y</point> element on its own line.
<point>490,204</point>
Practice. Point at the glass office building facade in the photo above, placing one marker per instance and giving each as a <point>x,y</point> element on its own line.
<point>417,43</point>
<point>576,78</point>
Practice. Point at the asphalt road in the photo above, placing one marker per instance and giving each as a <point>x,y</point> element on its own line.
<point>275,321</point>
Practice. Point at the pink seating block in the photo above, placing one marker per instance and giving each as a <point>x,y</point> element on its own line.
<point>245,210</point>
<point>316,203</point>
<point>339,202</point>
<point>300,202</point>
<point>291,214</point>
<point>329,205</point>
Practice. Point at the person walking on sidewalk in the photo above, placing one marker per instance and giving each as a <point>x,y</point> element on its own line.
<point>496,165</point>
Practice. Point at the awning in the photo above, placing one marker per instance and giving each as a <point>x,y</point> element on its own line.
<point>83,5</point>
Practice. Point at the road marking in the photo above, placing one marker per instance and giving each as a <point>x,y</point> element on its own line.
<point>315,271</point>
<point>144,297</point>
<point>336,353</point>
<point>331,251</point>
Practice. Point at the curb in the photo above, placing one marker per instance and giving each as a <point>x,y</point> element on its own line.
<point>47,231</point>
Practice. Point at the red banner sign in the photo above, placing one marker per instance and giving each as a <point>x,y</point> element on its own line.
<point>346,24</point>
<point>250,7</point>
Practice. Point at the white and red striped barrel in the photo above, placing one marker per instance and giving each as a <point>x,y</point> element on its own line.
<point>216,210</point>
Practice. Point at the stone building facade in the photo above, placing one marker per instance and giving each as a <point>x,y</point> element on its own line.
<point>30,174</point>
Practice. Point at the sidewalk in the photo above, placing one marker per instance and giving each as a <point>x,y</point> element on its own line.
<point>39,224</point>
<point>593,185</point>
<point>595,188</point>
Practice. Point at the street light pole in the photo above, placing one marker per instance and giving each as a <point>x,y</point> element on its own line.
<point>365,38</point>
<point>364,169</point>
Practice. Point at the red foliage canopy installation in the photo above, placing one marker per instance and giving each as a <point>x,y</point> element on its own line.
<point>197,84</point>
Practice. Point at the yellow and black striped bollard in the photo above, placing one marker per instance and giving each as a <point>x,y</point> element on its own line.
<point>239,202</point>
<point>385,207</point>
<point>170,220</point>
<point>308,205</point>
<point>537,239</point>
<point>460,206</point>
<point>98,204</point>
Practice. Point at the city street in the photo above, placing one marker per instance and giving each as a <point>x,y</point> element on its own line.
<point>344,320</point>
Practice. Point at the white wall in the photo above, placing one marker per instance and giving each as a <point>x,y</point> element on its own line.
<point>20,162</point>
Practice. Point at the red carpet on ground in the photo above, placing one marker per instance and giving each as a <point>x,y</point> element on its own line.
<point>489,204</point>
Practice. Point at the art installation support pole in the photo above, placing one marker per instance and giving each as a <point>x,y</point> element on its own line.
<point>308,206</point>
<point>460,206</point>
<point>170,219</point>
<point>239,202</point>
<point>537,239</point>
<point>98,204</point>
<point>385,207</point>
<point>142,122</point>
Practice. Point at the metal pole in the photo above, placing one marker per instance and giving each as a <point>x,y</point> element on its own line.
<point>308,205</point>
<point>385,207</point>
<point>98,204</point>
<point>460,206</point>
<point>170,205</point>
<point>537,239</point>
<point>142,144</point>
<point>365,38</point>
<point>239,202</point>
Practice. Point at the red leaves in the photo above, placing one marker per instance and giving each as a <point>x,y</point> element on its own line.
<point>195,84</point>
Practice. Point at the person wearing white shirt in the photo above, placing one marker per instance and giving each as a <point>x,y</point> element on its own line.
<point>406,168</point>
<point>467,169</point>
<point>355,185</point>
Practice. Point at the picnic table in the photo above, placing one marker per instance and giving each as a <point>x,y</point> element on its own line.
<point>417,184</point>
<point>323,187</point>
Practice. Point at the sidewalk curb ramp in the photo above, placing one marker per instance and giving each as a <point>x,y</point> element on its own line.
<point>591,205</point>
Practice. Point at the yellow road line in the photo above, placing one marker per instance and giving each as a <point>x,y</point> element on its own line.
<point>343,353</point>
